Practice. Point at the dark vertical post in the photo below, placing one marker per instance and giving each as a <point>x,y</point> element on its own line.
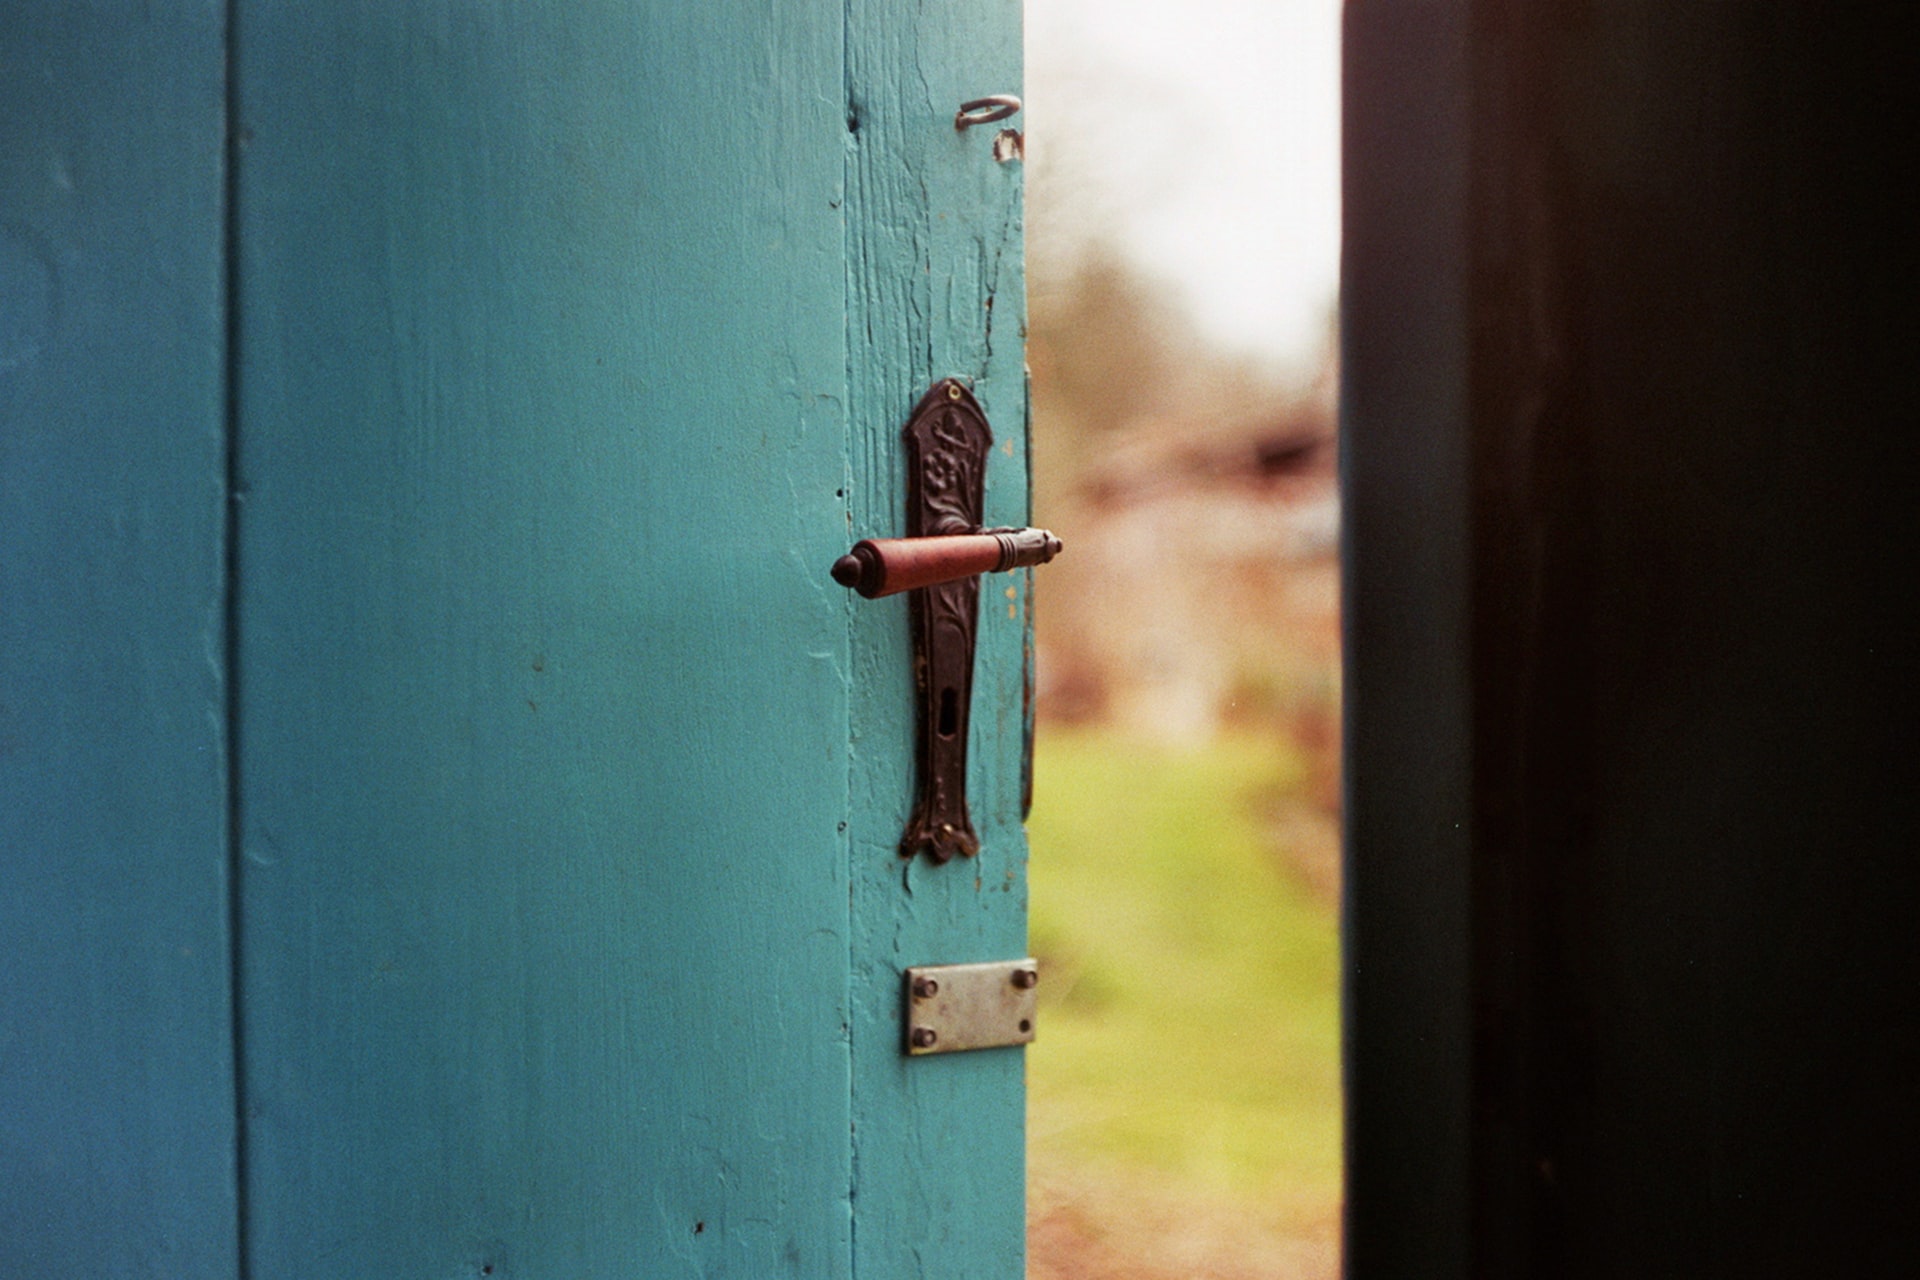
<point>1639,605</point>
<point>1405,473</point>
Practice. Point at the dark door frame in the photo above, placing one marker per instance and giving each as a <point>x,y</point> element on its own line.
<point>1629,397</point>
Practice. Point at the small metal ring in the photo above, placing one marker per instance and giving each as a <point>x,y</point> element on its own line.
<point>985,110</point>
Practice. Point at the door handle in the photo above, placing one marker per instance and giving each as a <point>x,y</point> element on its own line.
<point>941,561</point>
<point>883,566</point>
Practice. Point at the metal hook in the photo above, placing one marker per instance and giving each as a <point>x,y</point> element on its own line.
<point>985,110</point>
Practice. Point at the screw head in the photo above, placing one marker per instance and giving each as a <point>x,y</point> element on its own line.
<point>926,988</point>
<point>925,1037</point>
<point>1026,979</point>
<point>953,391</point>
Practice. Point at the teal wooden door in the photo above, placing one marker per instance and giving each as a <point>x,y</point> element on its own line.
<point>117,1139</point>
<point>559,350</point>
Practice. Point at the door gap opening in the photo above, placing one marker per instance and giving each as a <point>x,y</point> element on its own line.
<point>1182,257</point>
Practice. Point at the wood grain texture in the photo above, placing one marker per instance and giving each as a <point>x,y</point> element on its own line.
<point>545,684</point>
<point>935,289</point>
<point>116,1126</point>
<point>570,345</point>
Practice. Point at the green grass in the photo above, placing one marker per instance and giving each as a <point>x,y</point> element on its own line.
<point>1189,1027</point>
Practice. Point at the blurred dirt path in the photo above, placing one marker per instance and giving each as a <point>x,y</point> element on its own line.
<point>1102,1227</point>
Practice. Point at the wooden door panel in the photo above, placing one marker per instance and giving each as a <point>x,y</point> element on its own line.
<point>117,1131</point>
<point>453,568</point>
<point>544,756</point>
<point>935,289</point>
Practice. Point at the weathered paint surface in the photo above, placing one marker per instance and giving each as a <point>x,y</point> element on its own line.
<point>543,892</point>
<point>935,289</point>
<point>546,375</point>
<point>116,1105</point>
<point>504,703</point>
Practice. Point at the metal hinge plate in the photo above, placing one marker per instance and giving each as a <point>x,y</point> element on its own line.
<point>951,1007</point>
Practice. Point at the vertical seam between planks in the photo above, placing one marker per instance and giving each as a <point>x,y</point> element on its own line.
<point>230,546</point>
<point>849,142</point>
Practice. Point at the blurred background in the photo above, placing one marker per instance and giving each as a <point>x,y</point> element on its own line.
<point>1182,253</point>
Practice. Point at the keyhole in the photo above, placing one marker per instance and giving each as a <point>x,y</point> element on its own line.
<point>949,712</point>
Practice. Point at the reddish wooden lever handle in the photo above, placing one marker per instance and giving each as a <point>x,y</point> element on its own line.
<point>883,566</point>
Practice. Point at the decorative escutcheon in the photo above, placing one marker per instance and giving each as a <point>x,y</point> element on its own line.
<point>940,562</point>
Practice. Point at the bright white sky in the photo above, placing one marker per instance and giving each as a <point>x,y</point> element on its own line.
<point>1202,138</point>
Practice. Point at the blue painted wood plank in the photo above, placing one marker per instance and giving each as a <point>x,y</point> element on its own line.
<point>116,1129</point>
<point>544,685</point>
<point>935,289</point>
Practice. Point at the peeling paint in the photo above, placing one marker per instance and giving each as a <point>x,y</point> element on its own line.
<point>934,277</point>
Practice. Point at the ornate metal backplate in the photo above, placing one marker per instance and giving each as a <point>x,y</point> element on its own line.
<point>947,441</point>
